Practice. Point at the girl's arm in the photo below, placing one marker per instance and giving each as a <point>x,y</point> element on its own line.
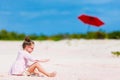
<point>31,58</point>
<point>43,60</point>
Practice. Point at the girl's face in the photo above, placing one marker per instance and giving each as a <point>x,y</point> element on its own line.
<point>30,48</point>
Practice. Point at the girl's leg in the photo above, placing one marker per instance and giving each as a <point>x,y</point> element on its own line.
<point>36,65</point>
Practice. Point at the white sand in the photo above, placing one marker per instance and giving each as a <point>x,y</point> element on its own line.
<point>71,59</point>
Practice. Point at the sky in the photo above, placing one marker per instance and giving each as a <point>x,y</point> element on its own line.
<point>51,17</point>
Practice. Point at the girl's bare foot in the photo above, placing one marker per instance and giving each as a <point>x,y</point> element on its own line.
<point>53,74</point>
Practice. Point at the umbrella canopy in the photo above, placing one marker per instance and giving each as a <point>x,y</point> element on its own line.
<point>91,20</point>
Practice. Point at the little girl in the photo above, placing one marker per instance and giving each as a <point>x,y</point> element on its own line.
<point>21,67</point>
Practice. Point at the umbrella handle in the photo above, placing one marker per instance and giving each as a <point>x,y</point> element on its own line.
<point>88,28</point>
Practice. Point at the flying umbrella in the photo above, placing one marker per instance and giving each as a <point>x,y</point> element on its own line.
<point>91,20</point>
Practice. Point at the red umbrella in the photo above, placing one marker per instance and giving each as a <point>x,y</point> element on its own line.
<point>90,20</point>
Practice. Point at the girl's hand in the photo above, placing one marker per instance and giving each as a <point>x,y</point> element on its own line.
<point>44,60</point>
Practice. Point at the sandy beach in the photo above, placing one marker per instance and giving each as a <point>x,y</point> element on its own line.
<point>71,59</point>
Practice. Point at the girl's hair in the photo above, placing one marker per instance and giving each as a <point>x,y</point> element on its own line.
<point>27,42</point>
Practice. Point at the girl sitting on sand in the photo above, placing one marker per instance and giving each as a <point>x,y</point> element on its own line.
<point>21,67</point>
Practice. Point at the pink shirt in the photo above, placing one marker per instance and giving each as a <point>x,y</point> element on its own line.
<point>21,62</point>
